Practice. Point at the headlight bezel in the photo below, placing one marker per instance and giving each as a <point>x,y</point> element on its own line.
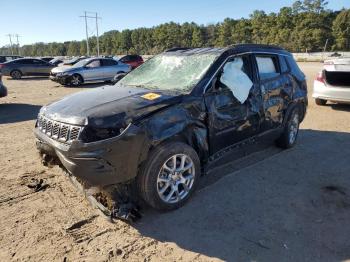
<point>91,134</point>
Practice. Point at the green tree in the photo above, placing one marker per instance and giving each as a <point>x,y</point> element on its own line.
<point>341,30</point>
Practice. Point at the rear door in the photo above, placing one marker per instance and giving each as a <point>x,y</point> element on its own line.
<point>41,67</point>
<point>26,66</point>
<point>110,68</point>
<point>272,83</point>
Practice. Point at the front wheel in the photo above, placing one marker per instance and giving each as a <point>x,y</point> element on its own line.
<point>170,176</point>
<point>76,80</point>
<point>289,136</point>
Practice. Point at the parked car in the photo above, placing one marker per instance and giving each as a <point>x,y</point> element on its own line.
<point>6,58</point>
<point>133,60</point>
<point>72,61</point>
<point>26,67</point>
<point>46,58</point>
<point>3,89</point>
<point>333,82</point>
<point>88,70</point>
<point>56,61</point>
<point>152,133</point>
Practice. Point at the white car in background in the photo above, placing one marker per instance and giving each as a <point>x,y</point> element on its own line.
<point>333,82</point>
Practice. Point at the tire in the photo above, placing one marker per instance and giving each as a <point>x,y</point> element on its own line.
<point>157,179</point>
<point>16,74</point>
<point>76,80</point>
<point>290,133</point>
<point>320,102</point>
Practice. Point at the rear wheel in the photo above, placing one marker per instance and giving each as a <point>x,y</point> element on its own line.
<point>16,74</point>
<point>76,80</point>
<point>170,176</point>
<point>320,102</point>
<point>289,136</point>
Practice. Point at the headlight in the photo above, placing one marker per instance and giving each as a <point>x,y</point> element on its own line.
<point>93,134</point>
<point>62,74</point>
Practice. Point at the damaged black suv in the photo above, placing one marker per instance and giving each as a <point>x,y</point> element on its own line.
<point>152,134</point>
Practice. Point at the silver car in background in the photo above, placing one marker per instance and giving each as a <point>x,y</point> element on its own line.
<point>333,82</point>
<point>88,70</point>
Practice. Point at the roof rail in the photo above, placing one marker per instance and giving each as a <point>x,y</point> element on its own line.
<point>257,46</point>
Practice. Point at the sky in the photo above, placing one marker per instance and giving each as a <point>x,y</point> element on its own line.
<point>49,21</point>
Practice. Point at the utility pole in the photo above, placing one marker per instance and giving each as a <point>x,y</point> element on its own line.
<point>98,44</point>
<point>18,47</point>
<point>325,46</point>
<point>9,35</point>
<point>87,35</point>
<point>86,30</point>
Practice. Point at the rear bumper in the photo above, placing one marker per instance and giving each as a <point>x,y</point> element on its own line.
<point>331,93</point>
<point>102,163</point>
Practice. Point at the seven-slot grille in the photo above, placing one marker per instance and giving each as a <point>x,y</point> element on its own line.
<point>59,131</point>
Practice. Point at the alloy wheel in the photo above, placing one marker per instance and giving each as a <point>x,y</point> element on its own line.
<point>175,179</point>
<point>293,128</point>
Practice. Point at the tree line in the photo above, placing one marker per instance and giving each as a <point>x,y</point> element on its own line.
<point>306,26</point>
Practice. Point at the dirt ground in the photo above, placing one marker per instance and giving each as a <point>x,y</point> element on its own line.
<point>273,205</point>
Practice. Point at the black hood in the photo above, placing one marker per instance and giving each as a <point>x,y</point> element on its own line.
<point>108,105</point>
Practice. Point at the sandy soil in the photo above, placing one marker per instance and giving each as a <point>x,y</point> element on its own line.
<point>274,205</point>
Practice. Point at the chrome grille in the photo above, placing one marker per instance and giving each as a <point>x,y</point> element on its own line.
<point>58,131</point>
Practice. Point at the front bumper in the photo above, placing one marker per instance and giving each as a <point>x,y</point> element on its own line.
<point>63,80</point>
<point>101,163</point>
<point>331,93</point>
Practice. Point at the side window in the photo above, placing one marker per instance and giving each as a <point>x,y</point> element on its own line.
<point>109,62</point>
<point>125,59</point>
<point>25,62</point>
<point>38,62</point>
<point>93,64</point>
<point>236,75</point>
<point>267,66</point>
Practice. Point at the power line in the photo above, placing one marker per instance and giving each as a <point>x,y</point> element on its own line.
<point>85,16</point>
<point>11,43</point>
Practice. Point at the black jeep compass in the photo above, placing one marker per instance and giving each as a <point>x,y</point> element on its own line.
<point>152,133</point>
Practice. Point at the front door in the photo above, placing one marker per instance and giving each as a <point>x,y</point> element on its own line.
<point>93,71</point>
<point>234,104</point>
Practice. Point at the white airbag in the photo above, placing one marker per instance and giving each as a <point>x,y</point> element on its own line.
<point>236,80</point>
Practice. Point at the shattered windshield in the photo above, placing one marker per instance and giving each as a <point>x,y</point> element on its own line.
<point>170,72</point>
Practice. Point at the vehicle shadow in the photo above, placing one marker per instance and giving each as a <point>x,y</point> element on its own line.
<point>340,107</point>
<point>90,85</point>
<point>13,113</point>
<point>285,206</point>
<point>29,78</point>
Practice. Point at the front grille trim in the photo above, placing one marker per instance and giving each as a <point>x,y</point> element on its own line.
<point>61,132</point>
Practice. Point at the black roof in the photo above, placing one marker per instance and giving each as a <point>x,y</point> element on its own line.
<point>221,50</point>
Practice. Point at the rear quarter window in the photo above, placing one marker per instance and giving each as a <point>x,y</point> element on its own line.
<point>268,67</point>
<point>297,73</point>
